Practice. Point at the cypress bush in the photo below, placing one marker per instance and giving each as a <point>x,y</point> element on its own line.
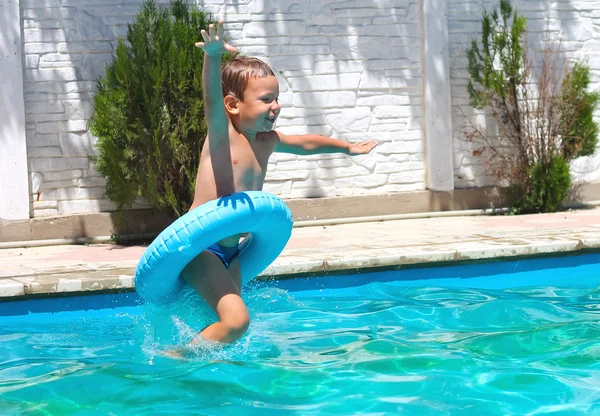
<point>148,114</point>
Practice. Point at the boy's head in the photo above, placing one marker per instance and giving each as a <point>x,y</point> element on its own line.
<point>236,73</point>
<point>250,90</point>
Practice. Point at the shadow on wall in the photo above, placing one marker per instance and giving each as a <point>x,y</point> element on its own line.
<point>345,70</point>
<point>568,23</point>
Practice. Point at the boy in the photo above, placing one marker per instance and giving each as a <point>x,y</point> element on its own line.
<point>240,109</point>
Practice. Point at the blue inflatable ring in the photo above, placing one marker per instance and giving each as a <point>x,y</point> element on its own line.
<point>264,216</point>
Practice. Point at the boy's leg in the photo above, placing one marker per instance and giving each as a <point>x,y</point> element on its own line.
<point>221,289</point>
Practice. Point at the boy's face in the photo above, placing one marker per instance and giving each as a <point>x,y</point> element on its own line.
<point>260,108</point>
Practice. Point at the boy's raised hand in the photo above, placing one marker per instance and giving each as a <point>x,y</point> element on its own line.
<point>362,148</point>
<point>213,44</point>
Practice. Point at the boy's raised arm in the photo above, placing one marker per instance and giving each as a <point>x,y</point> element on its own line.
<point>214,47</point>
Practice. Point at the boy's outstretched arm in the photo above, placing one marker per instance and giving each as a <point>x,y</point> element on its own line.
<point>311,144</point>
<point>214,48</point>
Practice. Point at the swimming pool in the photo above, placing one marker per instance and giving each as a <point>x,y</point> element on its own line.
<point>514,337</point>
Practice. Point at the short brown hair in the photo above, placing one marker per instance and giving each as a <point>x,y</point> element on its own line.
<point>236,72</point>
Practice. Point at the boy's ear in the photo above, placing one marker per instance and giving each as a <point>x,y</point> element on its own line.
<point>231,104</point>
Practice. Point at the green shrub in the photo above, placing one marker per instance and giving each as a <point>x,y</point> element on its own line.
<point>542,121</point>
<point>148,113</point>
<point>548,187</point>
<point>579,130</point>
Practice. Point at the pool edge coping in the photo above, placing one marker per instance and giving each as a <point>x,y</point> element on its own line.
<point>73,281</point>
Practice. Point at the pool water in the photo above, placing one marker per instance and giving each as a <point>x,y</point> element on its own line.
<point>518,337</point>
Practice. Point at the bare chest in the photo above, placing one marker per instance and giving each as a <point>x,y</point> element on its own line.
<point>249,166</point>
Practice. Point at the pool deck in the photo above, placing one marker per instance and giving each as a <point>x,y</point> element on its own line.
<point>317,249</point>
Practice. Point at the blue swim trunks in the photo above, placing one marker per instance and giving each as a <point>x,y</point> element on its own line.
<point>224,253</point>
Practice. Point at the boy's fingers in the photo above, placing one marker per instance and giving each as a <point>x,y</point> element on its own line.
<point>211,31</point>
<point>230,48</point>
<point>199,44</point>
<point>204,35</point>
<point>220,31</point>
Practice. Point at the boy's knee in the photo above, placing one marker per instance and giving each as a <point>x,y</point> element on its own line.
<point>237,325</point>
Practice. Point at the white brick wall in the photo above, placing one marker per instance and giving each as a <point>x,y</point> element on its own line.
<point>349,69</point>
<point>575,22</point>
<point>346,69</point>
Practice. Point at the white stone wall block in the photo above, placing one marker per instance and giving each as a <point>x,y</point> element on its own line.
<point>342,172</point>
<point>32,61</point>
<point>278,188</point>
<point>287,175</point>
<point>285,63</point>
<point>361,182</point>
<point>374,80</point>
<point>78,109</point>
<point>63,175</point>
<point>75,193</point>
<point>351,119</point>
<point>58,60</point>
<point>366,161</point>
<point>296,165</point>
<point>40,48</point>
<point>51,74</point>
<point>61,87</point>
<point>92,182</point>
<point>586,169</point>
<point>342,162</point>
<point>94,66</point>
<point>338,67</point>
<point>40,12</point>
<point>58,184</point>
<point>395,167</point>
<point>85,47</point>
<point>49,24</point>
<point>76,144</point>
<point>90,27</point>
<point>62,126</point>
<point>273,28</point>
<point>386,126</point>
<point>32,4</point>
<point>395,159</point>
<point>407,177</point>
<point>400,147</point>
<point>281,157</point>
<point>381,99</point>
<point>44,165</point>
<point>333,99</point>
<point>45,35</point>
<point>45,107</point>
<point>44,152</point>
<point>325,82</point>
<point>395,111</point>
<point>41,140</point>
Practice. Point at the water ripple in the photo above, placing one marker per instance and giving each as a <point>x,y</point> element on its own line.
<point>375,349</point>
